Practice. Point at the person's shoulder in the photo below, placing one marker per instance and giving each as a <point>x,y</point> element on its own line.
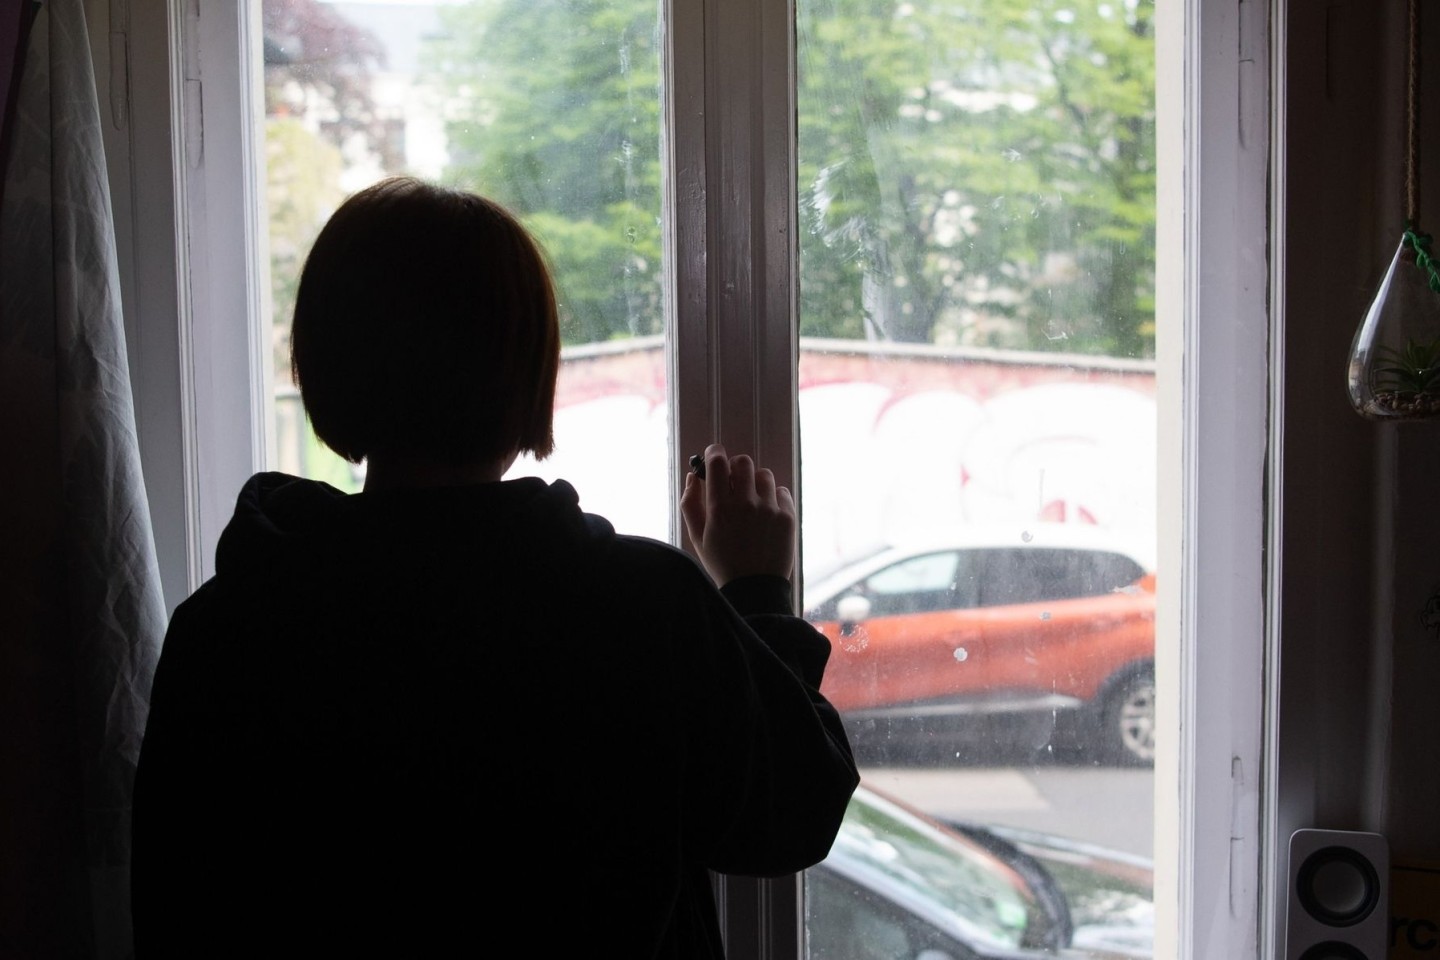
<point>635,554</point>
<point>648,550</point>
<point>199,605</point>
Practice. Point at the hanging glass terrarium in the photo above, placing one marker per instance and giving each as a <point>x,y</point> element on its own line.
<point>1394,369</point>
<point>1395,357</point>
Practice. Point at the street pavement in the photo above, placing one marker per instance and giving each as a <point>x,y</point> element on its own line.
<point>1112,807</point>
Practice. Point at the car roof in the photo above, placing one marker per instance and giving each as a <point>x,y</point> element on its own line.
<point>947,861</point>
<point>1039,535</point>
<point>1084,536</point>
<point>1132,935</point>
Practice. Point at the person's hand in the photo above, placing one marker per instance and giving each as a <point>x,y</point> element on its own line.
<point>740,522</point>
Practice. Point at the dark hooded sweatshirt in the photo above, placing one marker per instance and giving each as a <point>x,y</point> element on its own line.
<point>460,721</point>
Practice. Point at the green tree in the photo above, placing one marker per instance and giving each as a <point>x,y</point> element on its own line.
<point>302,189</point>
<point>971,171</point>
<point>316,58</point>
<point>302,185</point>
<point>318,102</point>
<point>979,172</point>
<point>556,114</point>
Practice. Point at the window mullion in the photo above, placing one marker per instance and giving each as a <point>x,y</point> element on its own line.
<point>731,245</point>
<point>731,199</point>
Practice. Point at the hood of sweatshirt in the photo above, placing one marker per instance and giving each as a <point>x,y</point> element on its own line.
<point>284,524</point>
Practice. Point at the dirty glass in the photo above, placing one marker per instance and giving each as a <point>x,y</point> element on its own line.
<point>976,217</point>
<point>550,107</point>
<point>976,184</point>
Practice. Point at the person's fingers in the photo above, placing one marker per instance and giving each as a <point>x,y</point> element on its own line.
<point>717,474</point>
<point>742,477</point>
<point>739,521</point>
<point>786,503</point>
<point>692,508</point>
<point>785,500</point>
<point>765,486</point>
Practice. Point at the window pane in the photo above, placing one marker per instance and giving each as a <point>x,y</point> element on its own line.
<point>551,108</point>
<point>1032,576</point>
<point>977,220</point>
<point>933,573</point>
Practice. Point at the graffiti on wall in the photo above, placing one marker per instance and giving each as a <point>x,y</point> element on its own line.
<point>894,455</point>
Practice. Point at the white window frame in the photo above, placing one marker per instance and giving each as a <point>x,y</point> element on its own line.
<point>188,243</point>
<point>1220,412</point>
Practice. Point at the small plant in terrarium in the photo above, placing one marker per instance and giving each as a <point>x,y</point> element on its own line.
<point>1406,379</point>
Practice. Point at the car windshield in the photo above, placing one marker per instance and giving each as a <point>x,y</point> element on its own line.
<point>931,872</point>
<point>819,571</point>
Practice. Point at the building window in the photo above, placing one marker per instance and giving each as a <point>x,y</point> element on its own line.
<point>913,256</point>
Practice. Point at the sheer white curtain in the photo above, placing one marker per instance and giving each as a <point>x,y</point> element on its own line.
<point>82,615</point>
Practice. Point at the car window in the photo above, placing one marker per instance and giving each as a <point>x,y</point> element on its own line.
<point>1011,576</point>
<point>847,921</point>
<point>1111,571</point>
<point>902,860</point>
<point>917,585</point>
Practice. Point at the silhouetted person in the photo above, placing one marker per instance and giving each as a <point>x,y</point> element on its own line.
<point>454,714</point>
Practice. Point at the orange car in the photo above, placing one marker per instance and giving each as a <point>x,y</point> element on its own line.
<point>1050,621</point>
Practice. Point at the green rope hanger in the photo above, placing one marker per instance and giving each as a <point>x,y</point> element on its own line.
<point>1414,239</point>
<point>1420,243</point>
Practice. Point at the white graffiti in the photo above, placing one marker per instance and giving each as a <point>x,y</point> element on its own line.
<point>879,466</point>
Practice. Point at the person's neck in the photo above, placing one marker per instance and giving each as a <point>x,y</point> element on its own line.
<point>386,473</point>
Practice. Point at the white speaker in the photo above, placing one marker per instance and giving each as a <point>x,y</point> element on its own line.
<point>1339,892</point>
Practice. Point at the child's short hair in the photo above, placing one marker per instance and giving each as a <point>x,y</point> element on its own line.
<point>425,324</point>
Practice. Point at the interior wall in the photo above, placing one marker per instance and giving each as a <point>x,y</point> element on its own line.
<point>1409,815</point>
<point>1358,702</point>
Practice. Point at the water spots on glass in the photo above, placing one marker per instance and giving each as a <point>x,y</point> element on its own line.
<point>1044,614</point>
<point>856,641</point>
<point>1027,536</point>
<point>1013,155</point>
<point>961,654</point>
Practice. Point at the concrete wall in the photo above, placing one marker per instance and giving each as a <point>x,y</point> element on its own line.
<point>898,443</point>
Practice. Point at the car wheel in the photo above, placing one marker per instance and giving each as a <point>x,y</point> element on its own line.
<point>1126,733</point>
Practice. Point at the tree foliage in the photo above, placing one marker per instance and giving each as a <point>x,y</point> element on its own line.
<point>979,172</point>
<point>317,60</point>
<point>970,171</point>
<point>302,188</point>
<point>556,114</point>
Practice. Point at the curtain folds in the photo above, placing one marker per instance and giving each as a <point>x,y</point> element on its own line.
<point>83,615</point>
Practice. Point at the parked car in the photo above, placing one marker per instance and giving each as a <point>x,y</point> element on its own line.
<point>900,885</point>
<point>1054,622</point>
